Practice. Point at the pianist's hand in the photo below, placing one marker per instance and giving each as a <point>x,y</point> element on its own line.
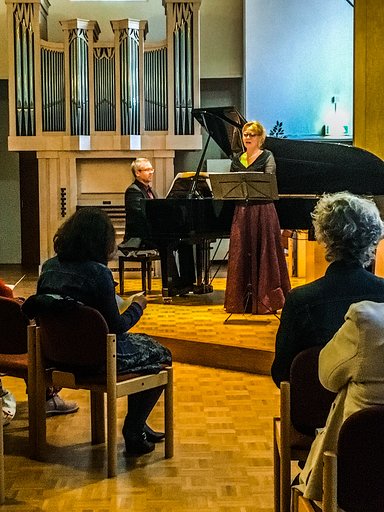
<point>141,300</point>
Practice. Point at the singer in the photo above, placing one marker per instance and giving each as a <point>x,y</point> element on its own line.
<point>257,278</point>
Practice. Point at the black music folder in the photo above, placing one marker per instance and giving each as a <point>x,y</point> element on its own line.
<point>244,185</point>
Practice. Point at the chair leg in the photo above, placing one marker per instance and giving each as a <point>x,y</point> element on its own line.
<point>143,275</point>
<point>121,274</point>
<point>97,417</point>
<point>285,484</point>
<point>112,435</point>
<point>111,406</point>
<point>41,385</point>
<point>149,275</point>
<point>32,421</point>
<point>276,469</point>
<point>168,415</point>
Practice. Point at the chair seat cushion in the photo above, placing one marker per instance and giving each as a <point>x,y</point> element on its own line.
<point>15,365</point>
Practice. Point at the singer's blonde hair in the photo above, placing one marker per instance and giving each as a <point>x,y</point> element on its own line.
<point>256,128</point>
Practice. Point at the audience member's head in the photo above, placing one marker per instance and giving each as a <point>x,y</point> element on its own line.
<point>349,227</point>
<point>142,170</point>
<point>88,235</point>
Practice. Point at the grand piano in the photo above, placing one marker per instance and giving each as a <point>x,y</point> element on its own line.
<point>304,169</point>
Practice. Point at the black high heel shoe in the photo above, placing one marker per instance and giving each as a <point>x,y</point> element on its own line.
<point>137,444</point>
<point>152,435</point>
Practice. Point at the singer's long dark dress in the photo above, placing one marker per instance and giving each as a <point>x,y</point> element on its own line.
<point>257,277</point>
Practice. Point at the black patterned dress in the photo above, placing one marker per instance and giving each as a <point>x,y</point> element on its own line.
<point>257,277</point>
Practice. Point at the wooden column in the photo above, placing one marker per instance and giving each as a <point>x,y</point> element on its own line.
<point>368,76</point>
<point>57,195</point>
<point>368,104</point>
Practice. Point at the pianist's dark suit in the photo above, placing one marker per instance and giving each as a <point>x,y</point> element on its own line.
<point>135,222</point>
<point>136,226</point>
<point>314,312</point>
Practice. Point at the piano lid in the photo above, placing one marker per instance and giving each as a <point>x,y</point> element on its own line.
<point>306,167</point>
<point>302,167</point>
<point>224,125</point>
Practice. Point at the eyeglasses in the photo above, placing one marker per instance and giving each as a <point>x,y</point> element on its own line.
<point>147,169</point>
<point>247,134</point>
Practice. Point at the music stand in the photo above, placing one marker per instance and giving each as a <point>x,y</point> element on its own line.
<point>244,186</point>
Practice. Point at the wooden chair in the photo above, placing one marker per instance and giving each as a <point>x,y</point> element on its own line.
<point>353,479</point>
<point>74,346</point>
<point>14,362</point>
<point>304,407</point>
<point>13,339</point>
<point>145,258</point>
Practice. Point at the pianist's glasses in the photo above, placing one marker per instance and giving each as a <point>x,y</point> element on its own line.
<point>247,134</point>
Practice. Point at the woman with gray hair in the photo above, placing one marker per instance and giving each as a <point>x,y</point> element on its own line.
<point>350,228</point>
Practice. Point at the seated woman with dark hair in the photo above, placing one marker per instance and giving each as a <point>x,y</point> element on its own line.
<point>84,244</point>
<point>350,228</point>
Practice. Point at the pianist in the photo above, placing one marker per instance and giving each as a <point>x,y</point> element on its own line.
<point>136,228</point>
<point>138,233</point>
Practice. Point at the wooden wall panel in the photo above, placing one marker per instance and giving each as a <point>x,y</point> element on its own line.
<point>368,75</point>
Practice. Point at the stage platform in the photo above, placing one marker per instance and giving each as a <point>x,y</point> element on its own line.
<point>198,330</point>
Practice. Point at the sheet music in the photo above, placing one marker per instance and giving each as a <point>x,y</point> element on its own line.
<point>13,286</point>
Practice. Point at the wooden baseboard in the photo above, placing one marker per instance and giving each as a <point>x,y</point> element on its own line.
<point>219,356</point>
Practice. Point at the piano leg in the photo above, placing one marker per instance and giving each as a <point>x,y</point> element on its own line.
<point>180,283</point>
<point>203,261</point>
<point>166,281</point>
<point>172,282</point>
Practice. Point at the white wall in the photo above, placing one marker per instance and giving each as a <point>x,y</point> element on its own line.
<point>298,55</point>
<point>221,38</point>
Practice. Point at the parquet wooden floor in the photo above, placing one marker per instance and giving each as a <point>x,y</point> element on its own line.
<point>223,424</point>
<point>222,461</point>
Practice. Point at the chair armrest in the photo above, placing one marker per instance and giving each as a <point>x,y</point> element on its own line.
<point>330,482</point>
<point>63,379</point>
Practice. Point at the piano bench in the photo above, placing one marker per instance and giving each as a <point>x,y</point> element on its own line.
<point>145,257</point>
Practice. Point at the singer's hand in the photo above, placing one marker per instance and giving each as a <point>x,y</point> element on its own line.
<point>141,300</point>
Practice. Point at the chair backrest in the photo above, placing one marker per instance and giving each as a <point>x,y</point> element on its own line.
<point>310,401</point>
<point>13,331</point>
<point>360,461</point>
<point>74,339</point>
